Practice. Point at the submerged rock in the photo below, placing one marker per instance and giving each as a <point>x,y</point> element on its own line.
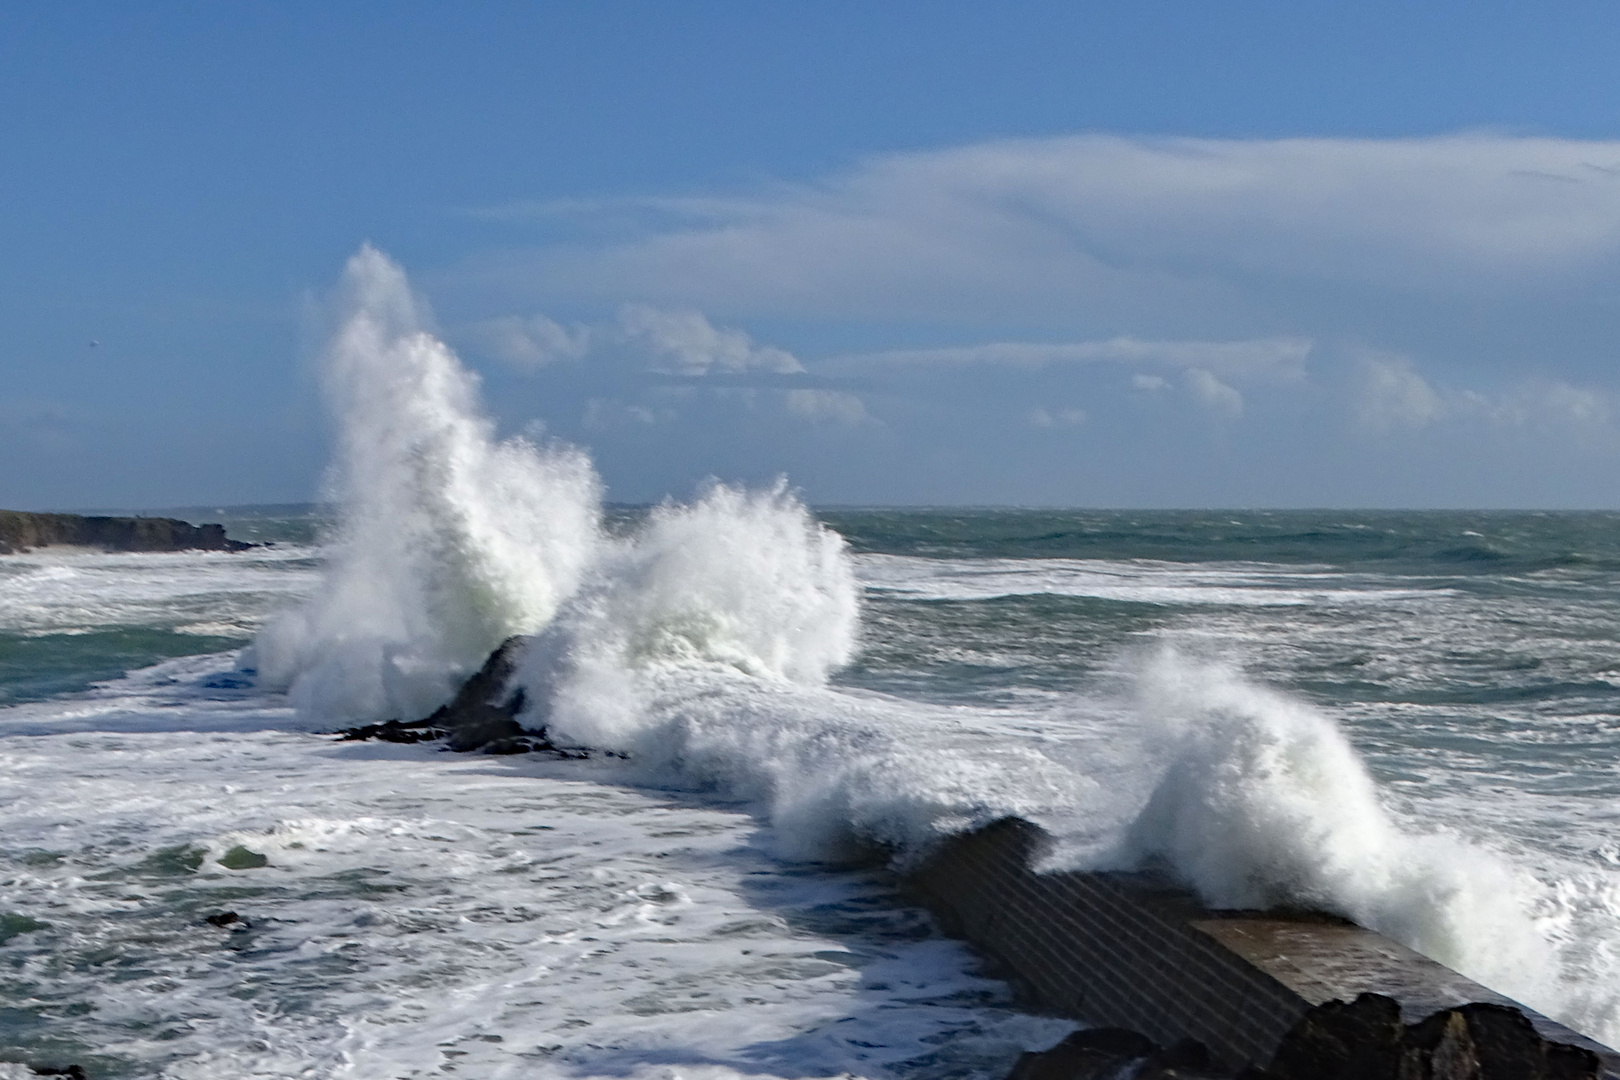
<point>241,858</point>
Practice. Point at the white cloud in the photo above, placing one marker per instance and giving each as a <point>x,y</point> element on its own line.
<point>684,342</point>
<point>531,342</point>
<point>1069,417</point>
<point>1393,394</point>
<point>1122,226</point>
<point>604,413</point>
<point>1150,383</point>
<point>832,405</point>
<point>1213,394</point>
<point>1579,404</point>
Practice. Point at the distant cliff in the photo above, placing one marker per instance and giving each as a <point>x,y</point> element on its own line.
<point>21,531</point>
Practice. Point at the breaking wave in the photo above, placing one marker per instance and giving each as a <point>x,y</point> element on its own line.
<point>701,645</point>
<point>449,539</point>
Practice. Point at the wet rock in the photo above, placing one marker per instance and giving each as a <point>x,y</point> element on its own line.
<point>393,731</point>
<point>486,686</point>
<point>1110,1053</point>
<point>1484,1041</point>
<point>1365,1040</point>
<point>509,746</point>
<point>482,725</point>
<point>228,920</point>
<point>482,715</point>
<point>76,1072</point>
<point>1338,1041</point>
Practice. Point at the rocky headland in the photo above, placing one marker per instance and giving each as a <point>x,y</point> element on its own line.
<point>21,531</point>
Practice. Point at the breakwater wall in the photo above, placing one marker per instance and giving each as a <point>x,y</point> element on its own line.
<point>1133,951</point>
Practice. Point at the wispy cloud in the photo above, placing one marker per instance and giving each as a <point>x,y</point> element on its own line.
<point>1284,357</point>
<point>828,405</point>
<point>684,342</point>
<point>1042,417</point>
<point>531,342</point>
<point>1112,224</point>
<point>665,341</point>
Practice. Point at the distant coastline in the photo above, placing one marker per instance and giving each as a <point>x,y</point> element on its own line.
<point>21,531</point>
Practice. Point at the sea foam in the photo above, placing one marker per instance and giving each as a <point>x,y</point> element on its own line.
<point>1262,802</point>
<point>701,643</point>
<point>449,539</point>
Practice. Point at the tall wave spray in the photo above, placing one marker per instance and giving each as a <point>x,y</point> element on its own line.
<point>449,539</point>
<point>701,645</point>
<point>1262,801</point>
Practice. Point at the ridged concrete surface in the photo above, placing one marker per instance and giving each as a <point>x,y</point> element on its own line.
<point>1130,951</point>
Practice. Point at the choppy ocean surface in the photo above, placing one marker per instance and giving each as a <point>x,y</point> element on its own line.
<point>1407,718</point>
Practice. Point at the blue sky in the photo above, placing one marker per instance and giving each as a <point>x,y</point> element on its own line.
<point>1156,254</point>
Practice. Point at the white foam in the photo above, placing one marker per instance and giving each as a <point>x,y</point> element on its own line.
<point>421,911</point>
<point>701,643</point>
<point>449,539</point>
<point>1263,802</point>
<point>54,591</point>
<point>1142,581</point>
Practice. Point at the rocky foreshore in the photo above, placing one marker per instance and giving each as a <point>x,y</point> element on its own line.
<point>21,531</point>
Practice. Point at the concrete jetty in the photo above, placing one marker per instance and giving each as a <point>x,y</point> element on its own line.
<point>1134,951</point>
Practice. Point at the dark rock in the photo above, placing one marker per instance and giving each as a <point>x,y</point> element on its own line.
<point>482,715</point>
<point>76,1072</point>
<point>21,531</point>
<point>1108,1053</point>
<point>509,746</point>
<point>393,731</point>
<point>1365,1040</point>
<point>1336,1041</point>
<point>485,687</point>
<point>1083,1055</point>
<point>480,725</point>
<point>1484,1041</point>
<point>1186,1054</point>
<point>227,918</point>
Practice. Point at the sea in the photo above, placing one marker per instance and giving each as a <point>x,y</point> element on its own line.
<point>1409,718</point>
